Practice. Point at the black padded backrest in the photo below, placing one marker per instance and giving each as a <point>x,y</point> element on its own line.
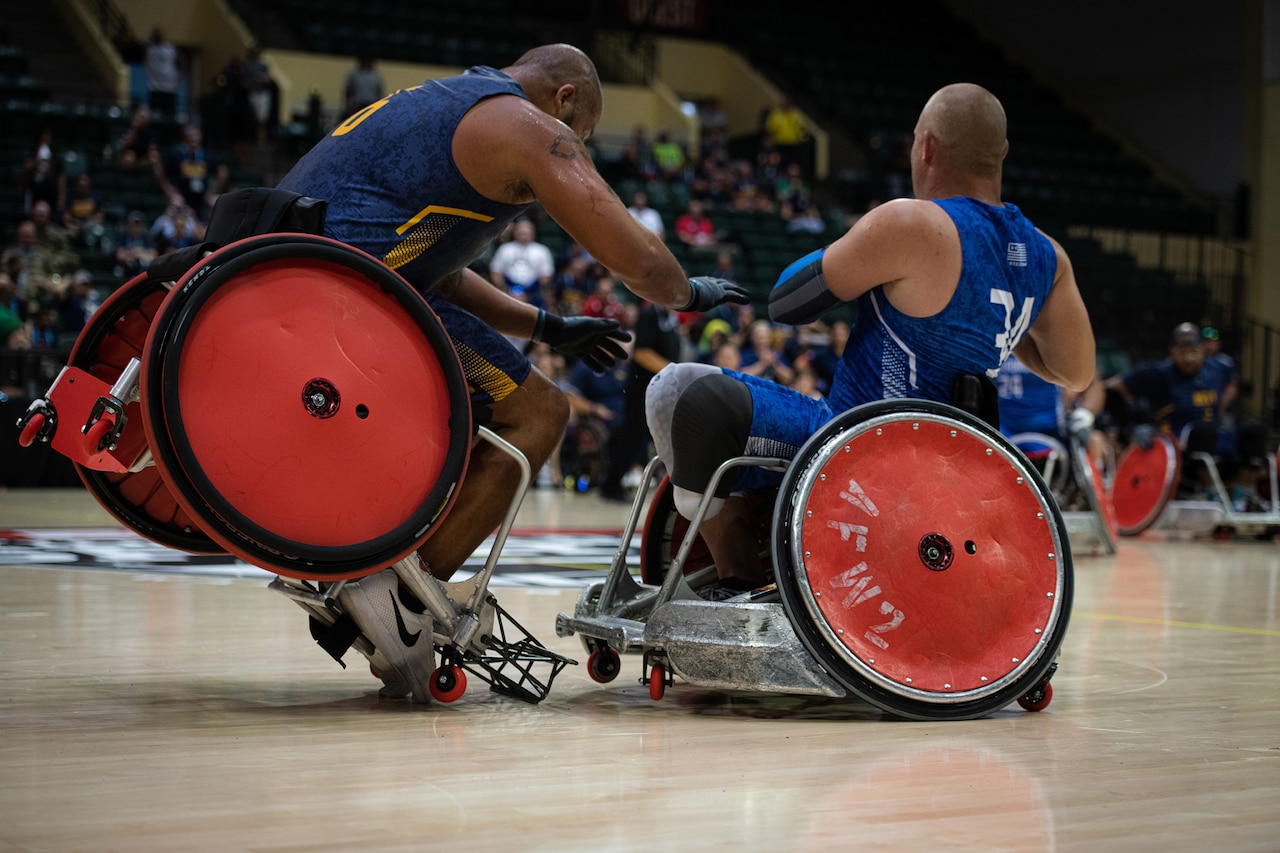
<point>977,395</point>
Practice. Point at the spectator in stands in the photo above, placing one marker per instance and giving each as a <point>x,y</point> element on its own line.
<point>1181,396</point>
<point>603,301</point>
<point>363,86</point>
<point>53,237</point>
<point>76,306</point>
<point>572,284</point>
<point>725,266</point>
<point>43,178</point>
<point>15,333</point>
<point>923,317</point>
<point>823,358</point>
<point>747,195</point>
<point>694,228</point>
<point>140,142</point>
<point>522,266</point>
<point>638,155</point>
<point>712,117</point>
<point>762,356</point>
<point>174,229</point>
<point>671,158</point>
<point>785,125</point>
<point>646,215</point>
<point>192,172</point>
<point>769,166</point>
<point>83,217</point>
<point>164,74</point>
<point>264,94</point>
<point>796,203</point>
<point>135,250</point>
<point>658,342</point>
<point>601,396</point>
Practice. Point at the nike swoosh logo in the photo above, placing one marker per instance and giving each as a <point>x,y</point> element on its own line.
<point>408,639</point>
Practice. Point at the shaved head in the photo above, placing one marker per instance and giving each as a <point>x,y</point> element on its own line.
<point>542,71</point>
<point>968,126</point>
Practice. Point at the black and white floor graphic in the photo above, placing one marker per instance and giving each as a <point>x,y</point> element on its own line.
<point>529,558</point>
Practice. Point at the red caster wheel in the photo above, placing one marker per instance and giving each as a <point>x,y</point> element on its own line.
<point>603,665</point>
<point>657,682</point>
<point>94,436</point>
<point>32,429</point>
<point>1037,700</point>
<point>448,683</point>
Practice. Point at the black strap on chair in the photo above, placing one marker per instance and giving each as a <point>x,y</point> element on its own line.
<point>240,214</point>
<point>977,395</point>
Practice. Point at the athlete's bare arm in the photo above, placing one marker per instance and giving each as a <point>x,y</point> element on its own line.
<point>1059,346</point>
<point>512,152</point>
<point>911,247</point>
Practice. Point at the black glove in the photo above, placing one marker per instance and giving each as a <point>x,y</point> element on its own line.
<point>592,339</point>
<point>709,292</point>
<point>1143,435</point>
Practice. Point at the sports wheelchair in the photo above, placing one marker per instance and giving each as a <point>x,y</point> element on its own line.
<point>1145,495</point>
<point>1080,486</point>
<point>291,401</point>
<point>921,564</point>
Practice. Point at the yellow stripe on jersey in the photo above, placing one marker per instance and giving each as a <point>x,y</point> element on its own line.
<point>481,374</point>
<point>426,234</point>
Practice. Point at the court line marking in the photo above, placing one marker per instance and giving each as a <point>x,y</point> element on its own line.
<point>1174,623</point>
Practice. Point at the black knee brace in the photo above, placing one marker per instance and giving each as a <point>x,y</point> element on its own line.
<point>709,426</point>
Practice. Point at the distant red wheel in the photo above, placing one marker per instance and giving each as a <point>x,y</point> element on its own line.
<point>94,436</point>
<point>448,683</point>
<point>1144,484</point>
<point>603,665</point>
<point>32,429</point>
<point>665,528</point>
<point>657,682</point>
<point>1031,702</point>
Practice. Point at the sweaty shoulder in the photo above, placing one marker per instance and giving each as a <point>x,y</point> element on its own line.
<point>910,247</point>
<point>502,139</point>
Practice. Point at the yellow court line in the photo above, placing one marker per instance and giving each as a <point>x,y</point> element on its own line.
<point>1172,623</point>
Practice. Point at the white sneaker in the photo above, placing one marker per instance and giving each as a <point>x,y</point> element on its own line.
<point>401,635</point>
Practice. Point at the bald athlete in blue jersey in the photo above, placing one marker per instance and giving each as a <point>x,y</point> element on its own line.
<point>953,281</point>
<point>427,177</point>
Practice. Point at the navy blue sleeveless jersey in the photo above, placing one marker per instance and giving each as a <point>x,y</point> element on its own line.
<point>1175,400</point>
<point>392,186</point>
<point>1007,272</point>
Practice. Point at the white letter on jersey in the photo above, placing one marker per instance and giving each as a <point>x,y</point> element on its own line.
<point>1013,329</point>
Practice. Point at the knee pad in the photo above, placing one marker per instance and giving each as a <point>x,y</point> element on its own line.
<point>709,425</point>
<point>660,402</point>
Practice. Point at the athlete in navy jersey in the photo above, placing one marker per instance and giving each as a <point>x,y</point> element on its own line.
<point>427,177</point>
<point>951,282</point>
<point>1182,396</point>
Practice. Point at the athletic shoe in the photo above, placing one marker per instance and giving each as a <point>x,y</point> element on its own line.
<point>399,632</point>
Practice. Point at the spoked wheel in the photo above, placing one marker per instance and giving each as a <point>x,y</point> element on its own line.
<point>665,528</point>
<point>922,560</point>
<point>139,500</point>
<point>1144,484</point>
<point>306,405</point>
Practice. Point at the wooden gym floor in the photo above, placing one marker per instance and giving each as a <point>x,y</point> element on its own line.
<point>148,702</point>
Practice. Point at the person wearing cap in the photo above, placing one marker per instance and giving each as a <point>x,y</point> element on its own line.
<point>1182,396</point>
<point>1212,339</point>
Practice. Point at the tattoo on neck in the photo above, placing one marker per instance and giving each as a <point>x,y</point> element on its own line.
<point>565,147</point>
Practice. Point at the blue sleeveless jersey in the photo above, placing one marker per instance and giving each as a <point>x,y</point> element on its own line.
<point>1027,402</point>
<point>1007,271</point>
<point>392,186</point>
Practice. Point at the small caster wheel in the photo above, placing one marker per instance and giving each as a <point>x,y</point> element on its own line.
<point>1038,699</point>
<point>657,682</point>
<point>603,665</point>
<point>448,683</point>
<point>96,433</point>
<point>31,429</point>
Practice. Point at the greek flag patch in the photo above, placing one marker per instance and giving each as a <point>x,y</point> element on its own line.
<point>1017,254</point>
